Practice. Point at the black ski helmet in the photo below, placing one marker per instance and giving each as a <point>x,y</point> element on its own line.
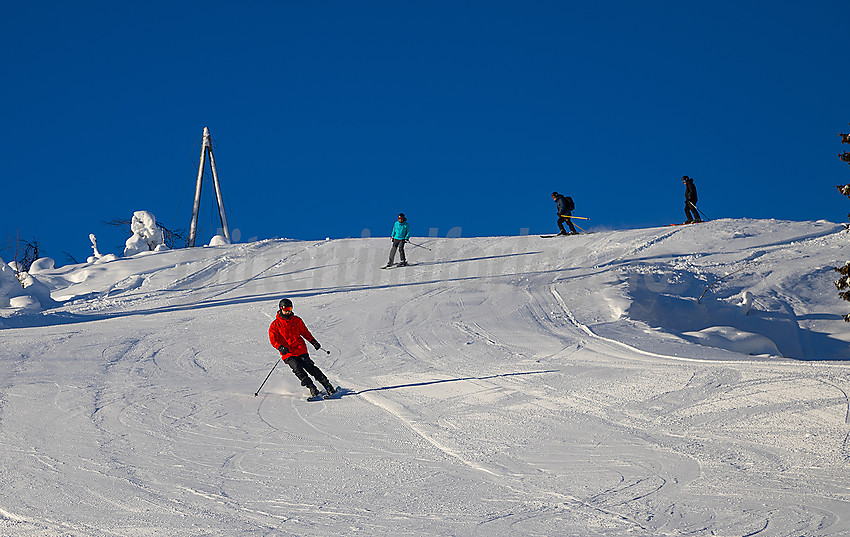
<point>284,303</point>
<point>401,215</point>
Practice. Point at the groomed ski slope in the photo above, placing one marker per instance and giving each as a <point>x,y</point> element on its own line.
<point>502,386</point>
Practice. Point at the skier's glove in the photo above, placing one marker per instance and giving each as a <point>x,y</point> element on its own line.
<point>315,344</point>
<point>283,349</point>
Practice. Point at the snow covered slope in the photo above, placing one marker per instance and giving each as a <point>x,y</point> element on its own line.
<point>585,385</point>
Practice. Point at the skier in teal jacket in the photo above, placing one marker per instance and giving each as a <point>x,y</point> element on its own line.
<point>401,232</point>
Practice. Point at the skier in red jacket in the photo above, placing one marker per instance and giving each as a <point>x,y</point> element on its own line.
<point>285,334</point>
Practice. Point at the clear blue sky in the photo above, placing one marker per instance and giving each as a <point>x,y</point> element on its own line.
<point>330,117</point>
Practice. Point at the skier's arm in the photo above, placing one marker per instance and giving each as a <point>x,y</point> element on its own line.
<point>273,339</point>
<point>308,336</point>
<point>277,341</point>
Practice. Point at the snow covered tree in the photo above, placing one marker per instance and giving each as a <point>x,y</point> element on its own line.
<point>147,236</point>
<point>843,283</point>
<point>24,253</point>
<point>177,238</point>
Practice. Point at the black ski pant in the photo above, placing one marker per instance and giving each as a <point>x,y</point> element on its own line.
<point>691,212</point>
<point>398,244</point>
<point>301,365</point>
<point>565,218</point>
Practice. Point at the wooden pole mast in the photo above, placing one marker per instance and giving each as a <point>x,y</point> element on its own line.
<point>206,149</point>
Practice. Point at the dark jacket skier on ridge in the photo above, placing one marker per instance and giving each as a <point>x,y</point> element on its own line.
<point>564,213</point>
<point>691,212</point>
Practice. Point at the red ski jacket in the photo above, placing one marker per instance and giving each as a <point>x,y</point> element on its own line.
<point>288,332</point>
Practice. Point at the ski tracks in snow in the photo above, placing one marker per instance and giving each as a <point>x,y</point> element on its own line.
<point>744,406</point>
<point>463,417</point>
<point>524,480</point>
<point>493,410</point>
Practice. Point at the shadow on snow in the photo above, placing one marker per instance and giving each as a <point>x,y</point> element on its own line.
<point>441,381</point>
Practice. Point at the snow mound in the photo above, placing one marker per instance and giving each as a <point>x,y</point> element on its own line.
<point>218,240</point>
<point>732,339</point>
<point>23,291</point>
<point>41,264</point>
<point>25,302</point>
<point>37,290</point>
<point>10,287</point>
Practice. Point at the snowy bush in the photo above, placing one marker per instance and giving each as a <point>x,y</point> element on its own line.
<point>146,237</point>
<point>36,290</point>
<point>97,255</point>
<point>10,287</point>
<point>24,253</point>
<point>21,290</point>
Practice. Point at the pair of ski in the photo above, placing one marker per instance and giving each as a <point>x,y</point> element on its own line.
<point>559,235</point>
<point>325,395</point>
<point>397,265</point>
<point>688,223</point>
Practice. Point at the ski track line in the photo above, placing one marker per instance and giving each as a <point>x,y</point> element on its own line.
<point>211,266</point>
<point>844,393</point>
<point>388,407</point>
<point>215,266</point>
<point>653,241</point>
<point>568,502</point>
<point>587,330</point>
<point>228,502</point>
<point>647,243</point>
<point>10,516</point>
<point>560,499</point>
<point>337,440</point>
<point>270,267</point>
<point>476,332</point>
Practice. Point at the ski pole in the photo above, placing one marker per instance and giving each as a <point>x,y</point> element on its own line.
<point>418,245</point>
<point>579,217</point>
<point>267,378</point>
<point>697,208</point>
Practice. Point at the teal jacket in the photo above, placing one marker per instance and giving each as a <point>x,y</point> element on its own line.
<point>401,231</point>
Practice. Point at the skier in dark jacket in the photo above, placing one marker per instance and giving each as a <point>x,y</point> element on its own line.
<point>287,333</point>
<point>564,213</point>
<point>691,212</point>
